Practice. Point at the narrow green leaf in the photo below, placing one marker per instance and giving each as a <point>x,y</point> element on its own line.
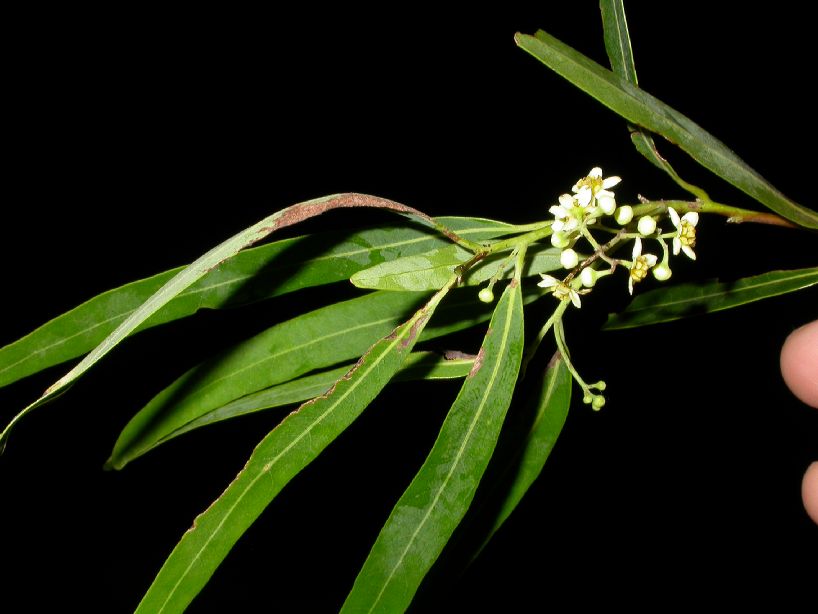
<point>252,275</point>
<point>429,271</point>
<point>617,39</point>
<point>418,366</point>
<point>620,55</point>
<point>206,263</point>
<point>676,302</point>
<point>645,111</point>
<point>527,442</point>
<point>441,492</point>
<point>316,340</point>
<point>281,455</point>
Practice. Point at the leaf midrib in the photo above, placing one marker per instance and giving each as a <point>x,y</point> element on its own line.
<point>458,456</point>
<point>267,467</point>
<point>739,291</point>
<point>192,292</point>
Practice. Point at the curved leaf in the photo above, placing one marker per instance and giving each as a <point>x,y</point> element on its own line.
<point>526,443</point>
<point>252,275</point>
<point>282,454</point>
<point>441,492</point>
<point>429,271</point>
<point>676,302</point>
<point>195,271</point>
<point>316,340</point>
<point>418,366</point>
<point>645,111</point>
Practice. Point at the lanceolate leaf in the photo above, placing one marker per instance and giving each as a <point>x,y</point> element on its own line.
<point>527,442</point>
<point>645,111</point>
<point>418,366</point>
<point>617,39</point>
<point>316,340</point>
<point>620,54</point>
<point>282,454</point>
<point>441,492</point>
<point>195,271</point>
<point>429,271</point>
<point>676,302</point>
<point>254,274</point>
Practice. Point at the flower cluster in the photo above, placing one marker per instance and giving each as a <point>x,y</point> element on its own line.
<point>580,212</point>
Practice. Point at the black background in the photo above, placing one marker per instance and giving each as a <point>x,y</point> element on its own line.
<point>139,138</point>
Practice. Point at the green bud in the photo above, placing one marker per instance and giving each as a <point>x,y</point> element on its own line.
<point>486,295</point>
<point>560,239</point>
<point>662,271</point>
<point>598,402</point>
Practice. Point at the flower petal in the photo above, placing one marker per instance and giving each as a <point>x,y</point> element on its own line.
<point>558,211</point>
<point>575,299</point>
<point>595,173</point>
<point>548,281</point>
<point>637,248</point>
<point>689,252</point>
<point>584,196</point>
<point>674,217</point>
<point>566,200</point>
<point>691,217</point>
<point>651,259</point>
<point>677,245</point>
<point>610,182</point>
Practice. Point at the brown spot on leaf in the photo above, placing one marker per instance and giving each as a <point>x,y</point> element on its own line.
<point>478,362</point>
<point>457,355</point>
<point>299,213</point>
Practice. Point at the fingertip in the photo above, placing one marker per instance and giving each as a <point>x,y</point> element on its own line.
<point>799,363</point>
<point>809,491</point>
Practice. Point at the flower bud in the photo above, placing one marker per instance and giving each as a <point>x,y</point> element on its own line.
<point>624,215</point>
<point>607,203</point>
<point>486,295</point>
<point>598,402</point>
<point>662,271</point>
<point>559,239</point>
<point>646,225</point>
<point>569,258</point>
<point>588,277</point>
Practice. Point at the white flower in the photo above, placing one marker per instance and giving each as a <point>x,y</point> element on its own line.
<point>595,188</point>
<point>560,290</point>
<point>565,214</point>
<point>640,265</point>
<point>685,239</point>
